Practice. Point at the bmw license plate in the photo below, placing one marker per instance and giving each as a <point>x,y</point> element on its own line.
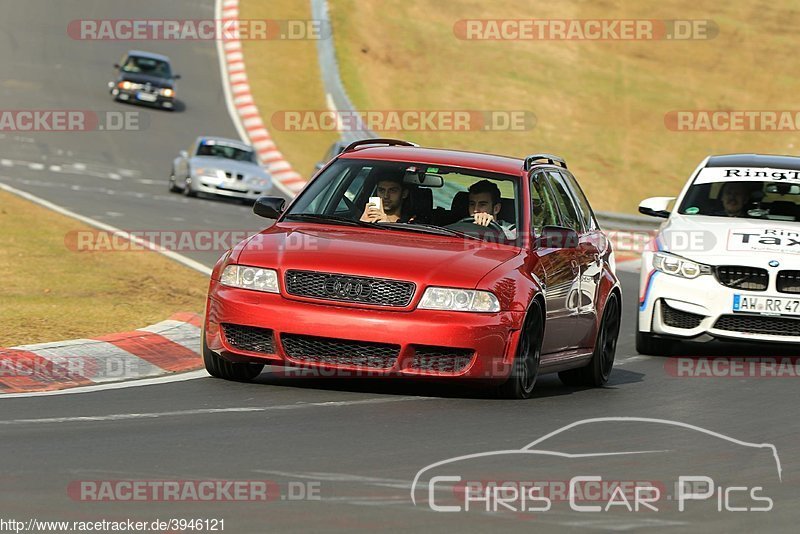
<point>146,97</point>
<point>766,305</point>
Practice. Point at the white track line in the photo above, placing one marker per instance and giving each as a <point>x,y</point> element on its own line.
<point>192,375</point>
<point>180,258</point>
<point>208,411</point>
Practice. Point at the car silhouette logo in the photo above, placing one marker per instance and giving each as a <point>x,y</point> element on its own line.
<point>774,263</point>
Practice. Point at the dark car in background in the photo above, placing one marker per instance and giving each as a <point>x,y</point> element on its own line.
<point>145,78</point>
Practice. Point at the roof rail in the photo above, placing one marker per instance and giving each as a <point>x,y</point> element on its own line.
<point>551,159</point>
<point>378,141</point>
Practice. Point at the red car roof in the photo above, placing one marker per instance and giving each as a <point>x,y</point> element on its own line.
<point>436,156</point>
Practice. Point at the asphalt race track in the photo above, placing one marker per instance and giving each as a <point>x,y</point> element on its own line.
<point>341,453</point>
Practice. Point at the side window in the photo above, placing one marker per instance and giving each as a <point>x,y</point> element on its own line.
<point>569,215</point>
<point>353,190</point>
<point>584,209</point>
<point>543,206</point>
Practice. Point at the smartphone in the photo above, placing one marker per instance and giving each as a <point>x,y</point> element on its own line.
<point>376,201</point>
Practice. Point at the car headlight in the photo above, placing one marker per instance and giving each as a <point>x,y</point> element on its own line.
<point>254,278</point>
<point>166,91</point>
<point>443,298</point>
<point>677,266</point>
<point>125,85</point>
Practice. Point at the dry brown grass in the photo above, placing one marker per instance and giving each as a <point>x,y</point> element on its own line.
<point>285,75</point>
<point>50,293</point>
<point>599,104</point>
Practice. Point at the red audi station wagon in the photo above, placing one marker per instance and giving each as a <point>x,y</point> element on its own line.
<point>397,260</point>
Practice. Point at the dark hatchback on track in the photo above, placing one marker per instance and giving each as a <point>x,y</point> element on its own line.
<point>145,78</point>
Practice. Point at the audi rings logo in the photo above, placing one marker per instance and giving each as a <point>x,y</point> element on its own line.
<point>347,288</point>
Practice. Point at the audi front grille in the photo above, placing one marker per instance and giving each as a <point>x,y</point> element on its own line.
<point>249,338</point>
<point>444,360</point>
<point>319,350</point>
<point>344,288</point>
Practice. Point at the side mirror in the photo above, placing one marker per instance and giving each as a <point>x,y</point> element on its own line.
<point>177,76</point>
<point>184,154</point>
<point>558,237</point>
<point>116,65</point>
<point>656,206</point>
<point>269,207</point>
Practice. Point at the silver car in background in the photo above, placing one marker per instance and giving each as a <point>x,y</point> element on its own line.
<point>220,166</point>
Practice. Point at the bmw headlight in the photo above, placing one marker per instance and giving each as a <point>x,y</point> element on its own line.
<point>677,266</point>
<point>444,298</point>
<point>166,91</point>
<point>253,278</point>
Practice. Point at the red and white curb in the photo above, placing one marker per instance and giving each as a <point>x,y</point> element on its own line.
<point>243,109</point>
<point>171,346</point>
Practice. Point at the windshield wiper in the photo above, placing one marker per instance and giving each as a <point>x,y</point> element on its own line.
<point>335,219</point>
<point>429,229</point>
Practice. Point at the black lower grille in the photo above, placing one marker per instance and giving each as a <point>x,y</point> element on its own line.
<point>344,288</point>
<point>679,319</point>
<point>740,277</point>
<point>759,324</point>
<point>441,359</point>
<point>249,338</point>
<point>307,349</point>
<point>789,282</point>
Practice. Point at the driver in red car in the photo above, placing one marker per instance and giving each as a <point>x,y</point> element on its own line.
<point>485,204</point>
<point>392,191</point>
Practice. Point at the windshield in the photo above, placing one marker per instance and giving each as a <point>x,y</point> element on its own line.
<point>414,196</point>
<point>771,194</point>
<point>218,150</point>
<point>148,66</point>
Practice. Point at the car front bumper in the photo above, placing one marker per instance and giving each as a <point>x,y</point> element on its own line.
<point>138,98</point>
<point>347,340</point>
<point>215,186</point>
<point>677,307</point>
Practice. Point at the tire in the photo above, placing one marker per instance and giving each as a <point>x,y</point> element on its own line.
<point>187,189</point>
<point>598,371</point>
<point>219,367</point>
<point>526,363</point>
<point>172,187</point>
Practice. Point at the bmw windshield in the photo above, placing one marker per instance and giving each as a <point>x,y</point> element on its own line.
<point>410,196</point>
<point>757,193</point>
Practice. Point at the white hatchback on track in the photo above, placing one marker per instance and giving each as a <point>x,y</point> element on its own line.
<point>726,262</point>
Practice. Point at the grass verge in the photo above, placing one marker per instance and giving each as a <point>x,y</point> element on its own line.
<point>284,75</point>
<point>599,104</point>
<point>50,293</point>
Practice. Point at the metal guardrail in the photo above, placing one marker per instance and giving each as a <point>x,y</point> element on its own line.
<point>332,82</point>
<point>624,221</point>
<point>337,96</point>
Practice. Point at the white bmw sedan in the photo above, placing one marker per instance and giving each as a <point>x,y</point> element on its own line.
<point>726,262</point>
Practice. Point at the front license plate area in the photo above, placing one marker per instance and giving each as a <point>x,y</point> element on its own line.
<point>764,305</point>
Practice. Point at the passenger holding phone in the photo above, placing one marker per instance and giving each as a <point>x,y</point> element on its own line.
<point>391,192</point>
